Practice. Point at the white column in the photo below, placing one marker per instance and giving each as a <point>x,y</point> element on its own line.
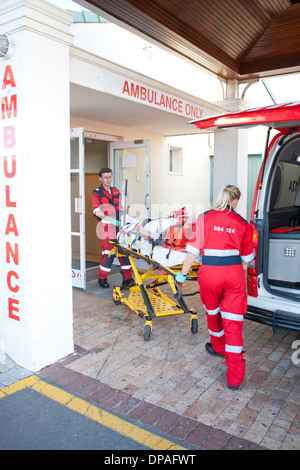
<point>231,151</point>
<point>231,163</point>
<point>35,247</point>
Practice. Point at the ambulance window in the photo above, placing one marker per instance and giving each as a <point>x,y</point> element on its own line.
<point>285,185</point>
<point>176,160</point>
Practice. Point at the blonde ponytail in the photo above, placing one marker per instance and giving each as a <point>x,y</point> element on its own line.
<point>227,194</point>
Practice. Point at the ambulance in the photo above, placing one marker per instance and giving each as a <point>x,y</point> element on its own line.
<point>273,277</point>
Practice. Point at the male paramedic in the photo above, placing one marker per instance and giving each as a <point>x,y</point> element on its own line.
<point>106,206</point>
<point>224,239</point>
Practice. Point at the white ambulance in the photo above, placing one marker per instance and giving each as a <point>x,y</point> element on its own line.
<point>273,278</point>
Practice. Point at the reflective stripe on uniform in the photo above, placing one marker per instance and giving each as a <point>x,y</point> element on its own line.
<point>232,316</point>
<point>248,258</point>
<point>192,250</point>
<point>105,269</point>
<point>210,252</point>
<point>233,349</point>
<point>212,312</point>
<point>214,333</point>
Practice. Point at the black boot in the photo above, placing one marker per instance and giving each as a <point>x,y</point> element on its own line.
<point>103,283</point>
<point>210,350</point>
<point>127,282</point>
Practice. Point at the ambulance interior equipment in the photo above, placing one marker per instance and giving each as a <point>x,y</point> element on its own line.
<point>161,245</point>
<point>273,277</point>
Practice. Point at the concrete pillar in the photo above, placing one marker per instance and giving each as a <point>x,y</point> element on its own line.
<point>36,318</point>
<point>231,151</point>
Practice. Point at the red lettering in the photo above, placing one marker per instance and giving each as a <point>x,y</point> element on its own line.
<point>194,111</point>
<point>174,105</point>
<point>143,93</point>
<point>180,104</point>
<point>11,274</point>
<point>135,91</point>
<point>12,173</point>
<point>152,95</point>
<point>13,308</point>
<point>9,136</point>
<point>156,102</point>
<point>11,225</point>
<point>12,254</point>
<point>9,203</point>
<point>126,88</point>
<point>169,102</point>
<point>9,109</point>
<point>8,78</point>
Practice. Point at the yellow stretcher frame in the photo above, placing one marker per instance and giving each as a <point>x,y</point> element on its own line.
<point>147,300</point>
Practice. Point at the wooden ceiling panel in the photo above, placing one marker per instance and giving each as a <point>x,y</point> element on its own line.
<point>231,38</point>
<point>279,45</point>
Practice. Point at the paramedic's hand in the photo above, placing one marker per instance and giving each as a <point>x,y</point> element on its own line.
<point>180,277</point>
<point>113,221</point>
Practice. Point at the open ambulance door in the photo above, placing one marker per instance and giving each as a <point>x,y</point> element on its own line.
<point>275,116</point>
<point>279,116</point>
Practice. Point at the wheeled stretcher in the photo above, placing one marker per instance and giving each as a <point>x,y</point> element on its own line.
<point>144,296</point>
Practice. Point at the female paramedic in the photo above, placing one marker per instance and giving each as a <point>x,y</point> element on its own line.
<point>224,239</point>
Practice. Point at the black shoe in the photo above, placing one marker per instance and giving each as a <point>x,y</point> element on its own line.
<point>232,387</point>
<point>210,350</point>
<point>127,282</point>
<point>103,283</point>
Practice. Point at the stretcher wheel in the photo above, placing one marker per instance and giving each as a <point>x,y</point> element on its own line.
<point>147,332</point>
<point>178,293</point>
<point>194,325</point>
<point>116,300</point>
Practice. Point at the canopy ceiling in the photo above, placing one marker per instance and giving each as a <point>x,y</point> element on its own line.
<point>234,39</point>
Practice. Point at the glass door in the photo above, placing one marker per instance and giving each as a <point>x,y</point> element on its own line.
<point>130,162</point>
<point>77,207</point>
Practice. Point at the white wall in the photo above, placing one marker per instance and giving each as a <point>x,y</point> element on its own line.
<point>124,48</point>
<point>42,330</point>
<point>168,191</point>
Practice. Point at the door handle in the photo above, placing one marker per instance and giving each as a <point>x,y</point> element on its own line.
<point>78,205</point>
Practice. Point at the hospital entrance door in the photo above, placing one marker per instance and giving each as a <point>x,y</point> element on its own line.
<point>77,207</point>
<point>131,161</point>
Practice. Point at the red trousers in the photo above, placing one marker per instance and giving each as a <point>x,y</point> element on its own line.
<point>224,297</point>
<point>109,232</point>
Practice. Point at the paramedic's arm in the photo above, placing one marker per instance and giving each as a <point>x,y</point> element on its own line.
<point>100,214</point>
<point>247,251</point>
<point>106,218</point>
<point>188,263</point>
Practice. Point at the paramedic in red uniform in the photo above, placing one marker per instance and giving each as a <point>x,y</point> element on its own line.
<point>224,239</point>
<point>106,206</point>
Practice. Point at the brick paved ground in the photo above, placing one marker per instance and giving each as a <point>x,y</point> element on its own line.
<point>172,384</point>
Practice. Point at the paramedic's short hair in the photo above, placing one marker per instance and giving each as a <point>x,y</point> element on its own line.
<point>104,170</point>
<point>227,194</point>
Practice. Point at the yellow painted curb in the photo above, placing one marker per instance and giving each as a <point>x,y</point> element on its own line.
<point>91,411</point>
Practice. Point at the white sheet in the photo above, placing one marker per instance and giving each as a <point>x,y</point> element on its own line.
<point>160,254</point>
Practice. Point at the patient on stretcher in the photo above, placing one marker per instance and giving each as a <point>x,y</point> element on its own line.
<point>166,238</point>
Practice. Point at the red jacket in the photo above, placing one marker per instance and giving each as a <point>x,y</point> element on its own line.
<point>223,237</point>
<point>108,202</point>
